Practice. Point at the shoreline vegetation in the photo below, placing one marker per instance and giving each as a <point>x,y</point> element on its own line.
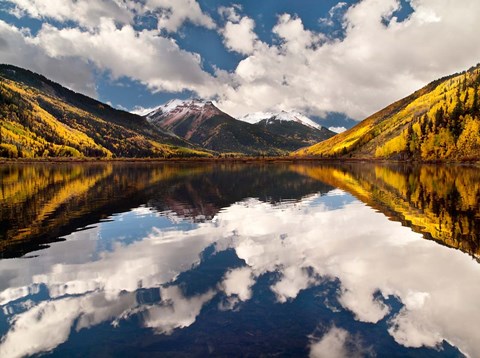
<point>234,159</point>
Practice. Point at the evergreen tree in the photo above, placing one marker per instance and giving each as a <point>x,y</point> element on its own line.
<point>440,117</point>
<point>475,108</point>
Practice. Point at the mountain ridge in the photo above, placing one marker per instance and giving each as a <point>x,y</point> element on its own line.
<point>440,121</point>
<point>41,118</point>
<point>202,123</point>
<point>293,116</point>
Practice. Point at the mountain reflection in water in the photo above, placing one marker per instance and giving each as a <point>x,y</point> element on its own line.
<point>285,259</point>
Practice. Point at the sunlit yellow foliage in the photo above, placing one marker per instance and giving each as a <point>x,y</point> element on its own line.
<point>430,124</point>
<point>439,201</point>
<point>469,141</point>
<point>395,145</point>
<point>38,124</point>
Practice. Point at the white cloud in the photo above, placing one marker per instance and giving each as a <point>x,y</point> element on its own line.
<point>238,32</point>
<point>293,280</point>
<point>338,343</point>
<point>145,56</point>
<point>411,328</point>
<point>84,12</point>
<point>173,13</point>
<point>230,12</point>
<point>369,68</point>
<point>170,14</point>
<point>337,129</point>
<point>372,66</point>
<point>142,111</point>
<point>331,345</point>
<point>295,37</point>
<point>360,300</point>
<point>239,36</point>
<point>334,14</point>
<point>48,324</point>
<point>103,34</point>
<point>17,47</point>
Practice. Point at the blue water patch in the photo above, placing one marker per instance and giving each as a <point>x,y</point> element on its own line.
<point>334,200</point>
<point>137,225</point>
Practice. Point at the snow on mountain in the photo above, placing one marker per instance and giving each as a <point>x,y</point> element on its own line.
<point>281,116</point>
<point>180,107</point>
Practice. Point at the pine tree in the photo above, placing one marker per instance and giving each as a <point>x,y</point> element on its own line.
<point>440,117</point>
<point>475,108</point>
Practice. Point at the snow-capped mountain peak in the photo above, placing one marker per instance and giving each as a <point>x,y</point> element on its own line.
<point>178,107</point>
<point>280,116</point>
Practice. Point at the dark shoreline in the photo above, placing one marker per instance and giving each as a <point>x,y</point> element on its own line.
<point>246,159</point>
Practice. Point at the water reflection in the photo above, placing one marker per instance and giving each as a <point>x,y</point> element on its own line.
<point>441,202</point>
<point>268,259</point>
<point>40,203</point>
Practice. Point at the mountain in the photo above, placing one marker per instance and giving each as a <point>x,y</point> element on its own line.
<point>290,125</point>
<point>439,122</point>
<point>202,123</point>
<point>282,116</point>
<point>40,118</point>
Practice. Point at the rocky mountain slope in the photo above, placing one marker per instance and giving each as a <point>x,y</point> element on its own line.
<point>292,126</point>
<point>202,123</point>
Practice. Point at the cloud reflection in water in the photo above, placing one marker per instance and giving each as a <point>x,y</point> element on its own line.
<point>304,243</point>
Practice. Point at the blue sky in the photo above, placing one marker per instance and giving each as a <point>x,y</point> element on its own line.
<point>335,61</point>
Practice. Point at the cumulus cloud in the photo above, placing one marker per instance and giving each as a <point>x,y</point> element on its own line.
<point>104,33</point>
<point>238,33</point>
<point>239,36</point>
<point>294,279</point>
<point>48,324</point>
<point>155,61</point>
<point>173,13</point>
<point>230,12</point>
<point>378,61</point>
<point>142,111</point>
<point>334,14</point>
<point>84,12</point>
<point>18,47</point>
<point>332,344</point>
<point>338,343</point>
<point>170,14</point>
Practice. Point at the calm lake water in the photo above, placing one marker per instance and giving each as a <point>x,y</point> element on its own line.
<point>127,260</point>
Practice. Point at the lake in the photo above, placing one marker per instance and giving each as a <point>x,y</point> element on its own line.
<point>286,259</point>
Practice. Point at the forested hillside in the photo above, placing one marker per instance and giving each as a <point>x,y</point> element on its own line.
<point>40,118</point>
<point>439,122</point>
